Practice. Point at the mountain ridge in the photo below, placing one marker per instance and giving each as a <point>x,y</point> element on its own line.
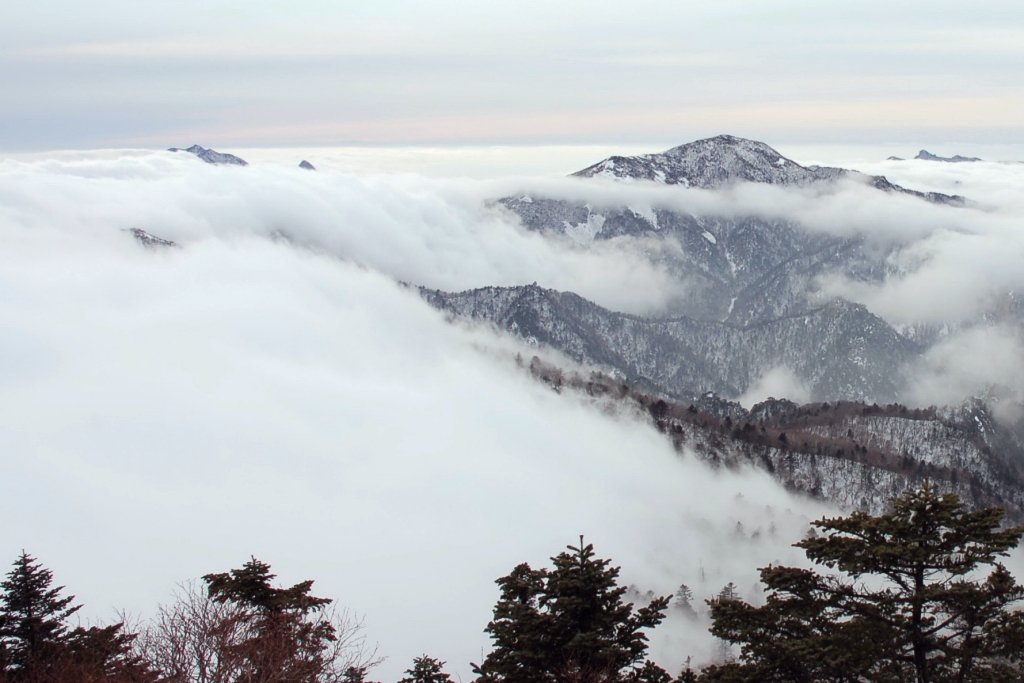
<point>853,454</point>
<point>714,162</point>
<point>212,156</point>
<point>684,357</point>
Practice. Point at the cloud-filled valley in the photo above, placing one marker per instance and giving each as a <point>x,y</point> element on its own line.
<point>273,388</point>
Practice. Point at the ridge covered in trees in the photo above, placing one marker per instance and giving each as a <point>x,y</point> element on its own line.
<point>914,595</point>
<point>855,454</point>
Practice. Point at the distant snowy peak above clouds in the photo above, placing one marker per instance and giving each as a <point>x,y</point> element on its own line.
<point>711,163</point>
<point>725,159</point>
<point>151,241</point>
<point>925,155</point>
<point>211,156</point>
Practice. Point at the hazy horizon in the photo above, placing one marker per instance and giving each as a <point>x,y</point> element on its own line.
<point>223,73</point>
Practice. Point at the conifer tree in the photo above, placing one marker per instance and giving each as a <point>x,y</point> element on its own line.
<point>355,674</point>
<point>567,624</point>
<point>36,643</point>
<point>907,605</point>
<point>32,628</point>
<point>683,600</point>
<point>729,592</point>
<point>274,637</point>
<point>104,653</point>
<point>426,670</point>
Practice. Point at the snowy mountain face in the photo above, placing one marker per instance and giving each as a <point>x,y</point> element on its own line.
<point>212,157</point>
<point>752,301</point>
<point>725,159</point>
<point>752,304</point>
<point>741,270</point>
<point>838,350</point>
<point>711,163</point>
<point>151,241</point>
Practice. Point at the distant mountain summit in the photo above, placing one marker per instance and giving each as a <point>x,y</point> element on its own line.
<point>711,163</point>
<point>726,159</point>
<point>211,156</point>
<point>151,241</point>
<point>306,165</point>
<point>925,155</point>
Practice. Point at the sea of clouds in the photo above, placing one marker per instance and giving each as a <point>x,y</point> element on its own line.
<point>270,388</point>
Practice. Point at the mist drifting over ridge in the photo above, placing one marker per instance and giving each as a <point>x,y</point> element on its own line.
<point>243,396</point>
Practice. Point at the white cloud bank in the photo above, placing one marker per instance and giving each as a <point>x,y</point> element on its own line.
<point>168,413</point>
<point>953,262</point>
<point>433,233</point>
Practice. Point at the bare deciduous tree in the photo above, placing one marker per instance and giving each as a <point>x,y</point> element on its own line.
<point>196,639</point>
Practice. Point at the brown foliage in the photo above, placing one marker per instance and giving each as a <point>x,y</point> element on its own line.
<point>199,640</point>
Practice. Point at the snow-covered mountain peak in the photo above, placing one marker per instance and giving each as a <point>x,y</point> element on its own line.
<point>211,156</point>
<point>710,163</point>
<point>725,159</point>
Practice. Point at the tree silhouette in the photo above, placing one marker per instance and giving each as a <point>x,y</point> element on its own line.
<point>907,603</point>
<point>32,628</point>
<point>274,633</point>
<point>426,670</point>
<point>36,643</point>
<point>567,624</point>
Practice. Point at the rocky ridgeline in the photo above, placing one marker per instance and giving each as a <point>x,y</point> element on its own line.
<point>925,155</point>
<point>838,350</point>
<point>151,241</point>
<point>724,160</point>
<point>211,156</point>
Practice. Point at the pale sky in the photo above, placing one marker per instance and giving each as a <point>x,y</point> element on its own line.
<point>118,73</point>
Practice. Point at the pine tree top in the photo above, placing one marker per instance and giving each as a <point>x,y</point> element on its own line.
<point>570,620</point>
<point>251,586</point>
<point>926,532</point>
<point>33,612</point>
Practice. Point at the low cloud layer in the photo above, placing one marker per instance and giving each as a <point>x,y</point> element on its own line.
<point>179,410</point>
<point>434,233</point>
<point>954,267</point>
<point>169,413</point>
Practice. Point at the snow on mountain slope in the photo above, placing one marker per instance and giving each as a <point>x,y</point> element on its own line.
<point>714,162</point>
<point>838,350</point>
<point>212,156</point>
<point>853,454</point>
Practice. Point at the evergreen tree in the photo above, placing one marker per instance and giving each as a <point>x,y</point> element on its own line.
<point>683,600</point>
<point>907,605</point>
<point>104,653</point>
<point>426,670</point>
<point>355,674</point>
<point>250,586</point>
<point>36,643</point>
<point>276,635</point>
<point>729,592</point>
<point>568,623</point>
<point>32,628</point>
